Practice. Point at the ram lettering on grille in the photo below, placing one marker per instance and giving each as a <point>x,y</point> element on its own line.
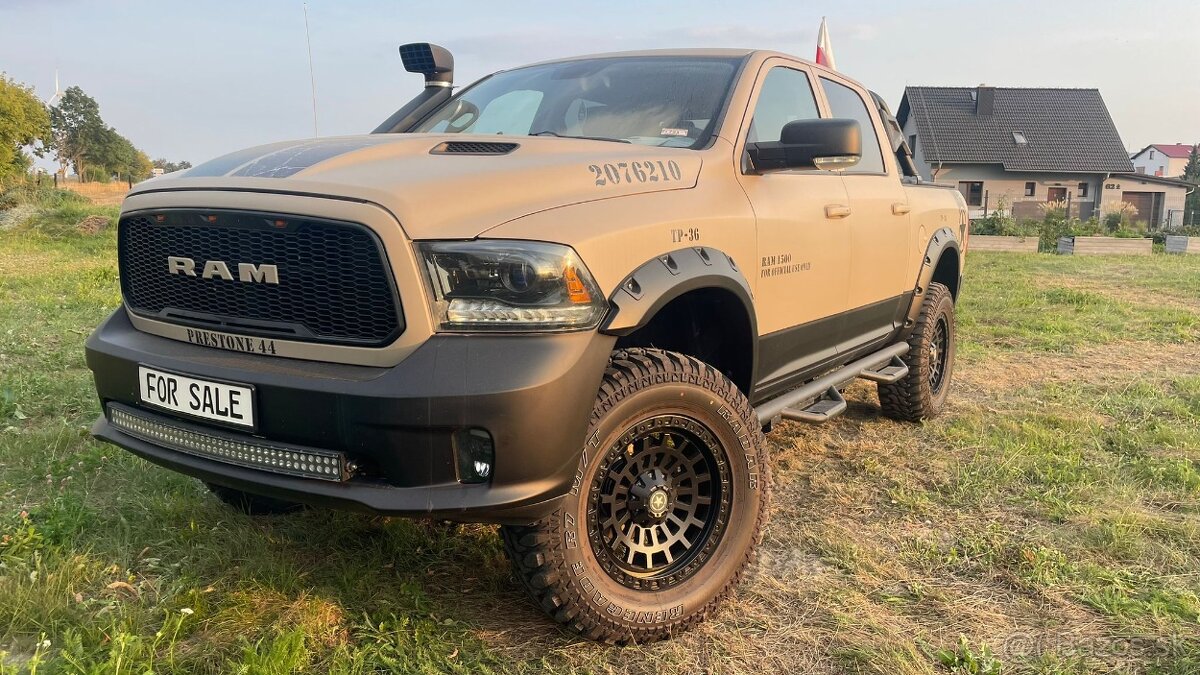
<point>217,269</point>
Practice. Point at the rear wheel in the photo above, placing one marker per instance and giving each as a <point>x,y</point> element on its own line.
<point>667,508</point>
<point>930,359</point>
<point>252,504</point>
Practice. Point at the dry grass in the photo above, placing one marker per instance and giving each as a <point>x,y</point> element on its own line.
<point>101,194</point>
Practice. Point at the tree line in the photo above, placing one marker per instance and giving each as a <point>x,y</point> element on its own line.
<point>73,130</point>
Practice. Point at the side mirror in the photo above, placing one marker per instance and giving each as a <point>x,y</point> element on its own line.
<point>810,144</point>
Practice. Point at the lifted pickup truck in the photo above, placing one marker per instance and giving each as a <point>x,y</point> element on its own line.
<point>569,299</point>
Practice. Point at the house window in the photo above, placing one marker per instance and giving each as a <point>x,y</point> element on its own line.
<point>1083,189</point>
<point>1151,154</point>
<point>1030,189</point>
<point>1019,138</point>
<point>912,143</point>
<point>972,191</point>
<point>1141,169</point>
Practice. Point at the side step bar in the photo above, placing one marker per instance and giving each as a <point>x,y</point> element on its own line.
<point>821,400</point>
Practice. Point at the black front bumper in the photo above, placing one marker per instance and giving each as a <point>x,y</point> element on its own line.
<point>532,393</point>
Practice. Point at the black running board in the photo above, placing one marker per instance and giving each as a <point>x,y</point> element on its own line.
<point>821,400</point>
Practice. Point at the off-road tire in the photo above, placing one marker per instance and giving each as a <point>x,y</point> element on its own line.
<point>252,504</point>
<point>553,558</point>
<point>914,398</point>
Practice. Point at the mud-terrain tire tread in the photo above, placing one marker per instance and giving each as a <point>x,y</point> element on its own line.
<point>535,549</point>
<point>910,399</point>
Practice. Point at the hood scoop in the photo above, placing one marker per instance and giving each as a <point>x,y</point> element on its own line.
<point>473,148</point>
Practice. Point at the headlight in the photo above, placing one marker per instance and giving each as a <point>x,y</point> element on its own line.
<point>509,286</point>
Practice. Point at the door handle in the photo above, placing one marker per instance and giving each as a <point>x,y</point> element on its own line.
<point>835,211</point>
<point>900,209</point>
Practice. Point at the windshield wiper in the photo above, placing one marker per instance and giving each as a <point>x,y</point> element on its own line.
<point>547,132</point>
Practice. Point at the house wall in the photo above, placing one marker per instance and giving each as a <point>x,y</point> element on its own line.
<point>1160,165</point>
<point>1009,186</point>
<point>1173,198</point>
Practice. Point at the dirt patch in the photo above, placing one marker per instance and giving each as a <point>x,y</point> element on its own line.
<point>1089,365</point>
<point>93,225</point>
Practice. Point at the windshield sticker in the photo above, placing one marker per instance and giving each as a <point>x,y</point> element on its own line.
<point>635,172</point>
<point>673,132</point>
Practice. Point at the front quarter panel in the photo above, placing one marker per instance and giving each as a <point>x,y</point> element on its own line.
<point>616,236</point>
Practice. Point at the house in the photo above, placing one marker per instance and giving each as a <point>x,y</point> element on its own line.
<point>1162,160</point>
<point>1159,202</point>
<point>1018,148</point>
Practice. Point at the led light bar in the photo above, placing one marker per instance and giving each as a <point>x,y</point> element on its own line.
<point>229,448</point>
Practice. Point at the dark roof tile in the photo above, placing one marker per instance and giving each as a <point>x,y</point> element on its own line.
<point>1066,130</point>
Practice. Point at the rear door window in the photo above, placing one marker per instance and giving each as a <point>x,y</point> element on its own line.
<point>845,103</point>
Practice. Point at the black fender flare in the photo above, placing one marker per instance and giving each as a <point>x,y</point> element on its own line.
<point>660,280</point>
<point>664,278</point>
<point>941,241</point>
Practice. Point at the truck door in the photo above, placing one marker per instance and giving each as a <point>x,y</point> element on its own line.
<point>878,225</point>
<point>803,246</point>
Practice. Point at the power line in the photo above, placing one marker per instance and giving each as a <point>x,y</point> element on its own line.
<point>312,78</point>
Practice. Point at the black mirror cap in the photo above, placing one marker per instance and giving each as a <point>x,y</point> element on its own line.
<point>804,143</point>
<point>434,62</point>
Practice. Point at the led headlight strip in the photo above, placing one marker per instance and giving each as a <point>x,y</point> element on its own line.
<point>229,448</point>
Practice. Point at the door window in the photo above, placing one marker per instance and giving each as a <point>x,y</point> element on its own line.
<point>845,103</point>
<point>786,96</point>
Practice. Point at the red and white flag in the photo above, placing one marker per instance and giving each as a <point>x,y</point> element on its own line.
<point>825,48</point>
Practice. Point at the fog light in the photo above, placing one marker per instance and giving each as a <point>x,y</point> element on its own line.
<point>476,454</point>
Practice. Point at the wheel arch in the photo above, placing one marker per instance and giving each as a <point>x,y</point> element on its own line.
<point>694,301</point>
<point>942,264</point>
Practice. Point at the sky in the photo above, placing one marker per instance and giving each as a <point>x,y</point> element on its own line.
<point>193,80</point>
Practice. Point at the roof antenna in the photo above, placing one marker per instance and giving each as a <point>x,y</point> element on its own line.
<point>311,77</point>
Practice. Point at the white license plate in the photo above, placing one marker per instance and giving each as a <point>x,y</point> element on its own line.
<point>216,401</point>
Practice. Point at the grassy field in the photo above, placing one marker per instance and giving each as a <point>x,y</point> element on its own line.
<point>1049,522</point>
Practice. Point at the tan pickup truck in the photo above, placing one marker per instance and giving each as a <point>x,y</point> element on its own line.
<point>569,299</point>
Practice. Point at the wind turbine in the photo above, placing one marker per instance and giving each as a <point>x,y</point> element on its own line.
<point>57,92</point>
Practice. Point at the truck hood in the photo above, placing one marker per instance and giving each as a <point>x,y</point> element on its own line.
<point>445,186</point>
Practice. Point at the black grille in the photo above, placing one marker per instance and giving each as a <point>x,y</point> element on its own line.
<point>474,148</point>
<point>334,283</point>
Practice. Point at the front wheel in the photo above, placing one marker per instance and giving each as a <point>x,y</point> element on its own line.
<point>667,507</point>
<point>930,359</point>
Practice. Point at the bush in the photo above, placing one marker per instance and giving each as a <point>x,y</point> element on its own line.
<point>41,196</point>
<point>1112,221</point>
<point>1002,225</point>
<point>96,174</point>
<point>56,212</point>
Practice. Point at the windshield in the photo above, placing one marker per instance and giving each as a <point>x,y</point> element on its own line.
<point>652,100</point>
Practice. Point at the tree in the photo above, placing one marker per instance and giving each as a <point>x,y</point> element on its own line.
<point>24,123</point>
<point>169,167</point>
<point>78,129</point>
<point>1191,174</point>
